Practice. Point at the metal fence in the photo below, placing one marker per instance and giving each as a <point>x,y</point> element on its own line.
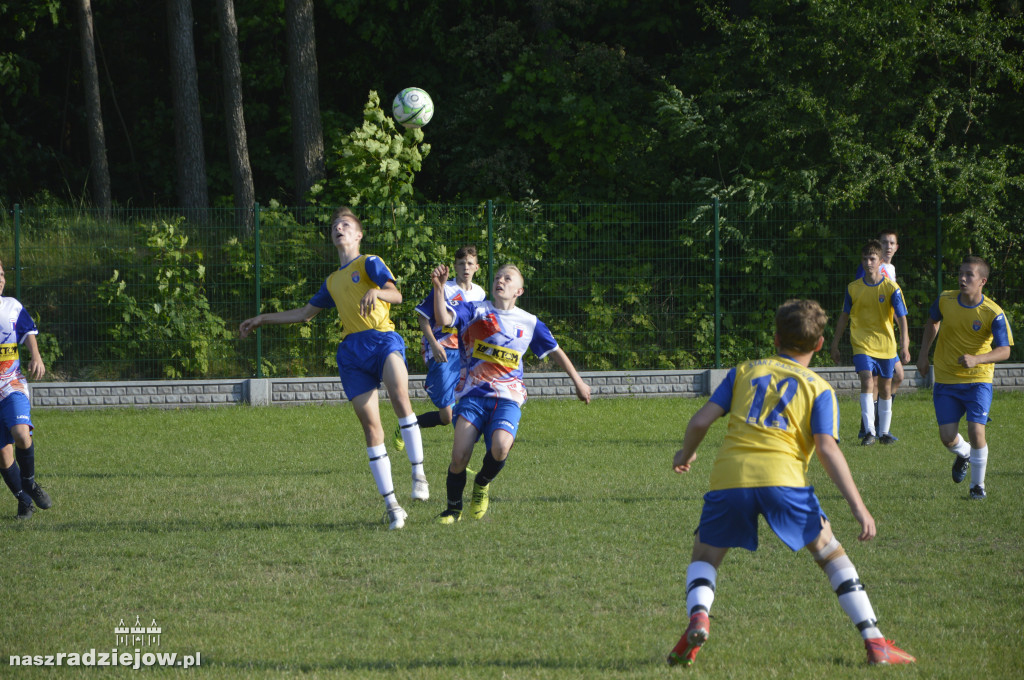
<point>136,294</point>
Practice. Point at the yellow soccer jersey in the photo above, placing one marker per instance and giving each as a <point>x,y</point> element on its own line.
<point>346,287</point>
<point>872,309</point>
<point>775,408</point>
<point>967,330</point>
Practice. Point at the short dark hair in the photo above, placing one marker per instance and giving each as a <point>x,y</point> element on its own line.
<point>872,246</point>
<point>980,263</point>
<point>886,232</point>
<point>464,252</point>
<point>799,324</point>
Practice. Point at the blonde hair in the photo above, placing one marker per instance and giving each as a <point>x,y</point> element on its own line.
<point>509,265</point>
<point>345,211</point>
<point>799,324</point>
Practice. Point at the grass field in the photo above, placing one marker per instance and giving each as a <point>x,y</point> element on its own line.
<point>253,537</point>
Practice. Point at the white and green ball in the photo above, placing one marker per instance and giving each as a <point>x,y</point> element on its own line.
<point>413,107</point>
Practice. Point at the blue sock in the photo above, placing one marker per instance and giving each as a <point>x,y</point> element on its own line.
<point>489,470</point>
<point>12,477</point>
<point>27,461</point>
<point>429,419</point>
<point>456,484</point>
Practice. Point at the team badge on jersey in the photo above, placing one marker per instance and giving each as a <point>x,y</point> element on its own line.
<point>976,325</point>
<point>355,277</point>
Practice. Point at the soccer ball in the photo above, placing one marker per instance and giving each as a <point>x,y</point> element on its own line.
<point>413,107</point>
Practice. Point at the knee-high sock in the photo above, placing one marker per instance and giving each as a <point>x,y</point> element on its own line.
<point>489,469</point>
<point>960,447</point>
<point>27,462</point>
<point>12,477</point>
<point>843,578</point>
<point>456,484</point>
<point>867,412</point>
<point>979,461</point>
<point>413,444</point>
<point>380,468</point>
<point>884,416</point>
<point>700,587</point>
<point>429,419</point>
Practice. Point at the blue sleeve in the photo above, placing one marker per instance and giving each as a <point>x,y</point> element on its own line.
<point>323,298</point>
<point>860,272</point>
<point>899,307</point>
<point>378,271</point>
<point>1000,332</point>
<point>426,308</point>
<point>847,302</point>
<point>825,415</point>
<point>935,313</point>
<point>24,325</point>
<point>463,315</point>
<point>542,343</point>
<point>723,393</point>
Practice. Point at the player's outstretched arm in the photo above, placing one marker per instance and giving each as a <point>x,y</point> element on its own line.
<point>582,388</point>
<point>297,315</point>
<point>696,430</point>
<point>834,462</point>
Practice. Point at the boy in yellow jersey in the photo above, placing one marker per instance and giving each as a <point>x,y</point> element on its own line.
<point>890,244</point>
<point>869,307</point>
<point>780,412</point>
<point>363,290</point>
<point>973,334</point>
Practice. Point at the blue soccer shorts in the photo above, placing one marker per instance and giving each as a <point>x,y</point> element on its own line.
<point>952,401</point>
<point>880,367</point>
<point>361,358</point>
<point>488,414</point>
<point>442,378</point>
<point>15,409</point>
<point>729,516</point>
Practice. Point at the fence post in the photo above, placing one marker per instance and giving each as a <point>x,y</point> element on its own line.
<point>938,245</point>
<point>718,311</point>
<point>259,287</point>
<point>490,244</point>
<point>17,251</point>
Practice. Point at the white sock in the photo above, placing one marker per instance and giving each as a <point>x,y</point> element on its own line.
<point>700,587</point>
<point>884,415</point>
<point>854,600</point>
<point>380,468</point>
<point>979,461</point>
<point>867,412</point>
<point>413,444</point>
<point>960,447</point>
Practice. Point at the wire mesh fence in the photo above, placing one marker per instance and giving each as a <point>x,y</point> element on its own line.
<point>142,294</point>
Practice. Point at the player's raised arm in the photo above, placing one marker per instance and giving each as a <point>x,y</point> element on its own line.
<point>442,314</point>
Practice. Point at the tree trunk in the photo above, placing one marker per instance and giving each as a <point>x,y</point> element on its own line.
<point>307,127</point>
<point>238,144</point>
<point>99,171</point>
<point>188,129</point>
